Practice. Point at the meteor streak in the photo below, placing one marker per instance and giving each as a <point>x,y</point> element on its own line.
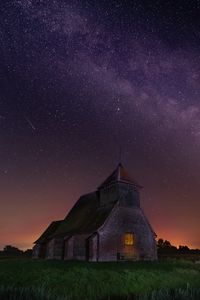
<point>30,123</point>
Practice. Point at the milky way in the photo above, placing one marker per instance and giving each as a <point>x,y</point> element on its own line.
<point>81,79</point>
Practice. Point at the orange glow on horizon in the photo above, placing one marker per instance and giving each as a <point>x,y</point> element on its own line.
<point>26,240</point>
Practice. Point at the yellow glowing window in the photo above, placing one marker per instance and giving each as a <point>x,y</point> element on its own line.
<point>129,239</point>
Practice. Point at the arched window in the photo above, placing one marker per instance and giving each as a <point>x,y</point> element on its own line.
<point>129,239</point>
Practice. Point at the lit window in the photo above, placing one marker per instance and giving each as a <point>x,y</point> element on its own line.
<point>129,239</point>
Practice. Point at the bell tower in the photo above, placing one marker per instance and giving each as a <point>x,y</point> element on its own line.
<point>119,187</point>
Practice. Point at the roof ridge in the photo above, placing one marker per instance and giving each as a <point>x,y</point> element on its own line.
<point>119,175</point>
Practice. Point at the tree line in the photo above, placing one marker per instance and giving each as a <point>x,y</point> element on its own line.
<point>165,248</point>
<point>11,251</point>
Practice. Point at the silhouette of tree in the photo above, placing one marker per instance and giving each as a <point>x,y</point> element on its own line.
<point>160,243</point>
<point>28,252</point>
<point>167,244</point>
<point>183,249</point>
<point>10,250</point>
<point>165,247</point>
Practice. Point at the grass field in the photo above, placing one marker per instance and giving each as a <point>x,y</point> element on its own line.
<point>40,280</point>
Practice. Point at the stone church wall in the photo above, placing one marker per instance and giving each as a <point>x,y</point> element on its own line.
<point>55,249</point>
<point>39,251</point>
<point>111,236</point>
<point>68,248</point>
<point>75,247</point>
<point>36,251</point>
<point>79,251</point>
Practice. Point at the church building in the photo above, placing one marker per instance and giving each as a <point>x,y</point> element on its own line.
<point>105,225</point>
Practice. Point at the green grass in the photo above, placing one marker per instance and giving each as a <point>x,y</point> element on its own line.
<point>57,280</point>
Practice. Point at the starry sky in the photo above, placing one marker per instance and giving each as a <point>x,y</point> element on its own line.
<point>78,81</point>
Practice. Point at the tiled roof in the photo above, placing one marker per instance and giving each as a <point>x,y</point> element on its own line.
<point>48,232</point>
<point>85,217</point>
<point>120,175</point>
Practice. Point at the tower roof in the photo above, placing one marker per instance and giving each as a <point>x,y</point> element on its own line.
<point>120,175</point>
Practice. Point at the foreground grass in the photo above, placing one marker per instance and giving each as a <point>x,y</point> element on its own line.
<point>57,280</point>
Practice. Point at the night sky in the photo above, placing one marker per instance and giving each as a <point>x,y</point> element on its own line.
<point>79,80</point>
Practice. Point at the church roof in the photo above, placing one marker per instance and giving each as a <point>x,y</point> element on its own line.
<point>48,232</point>
<point>120,175</point>
<point>85,217</point>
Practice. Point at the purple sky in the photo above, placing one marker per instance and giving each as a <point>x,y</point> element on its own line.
<point>79,80</point>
